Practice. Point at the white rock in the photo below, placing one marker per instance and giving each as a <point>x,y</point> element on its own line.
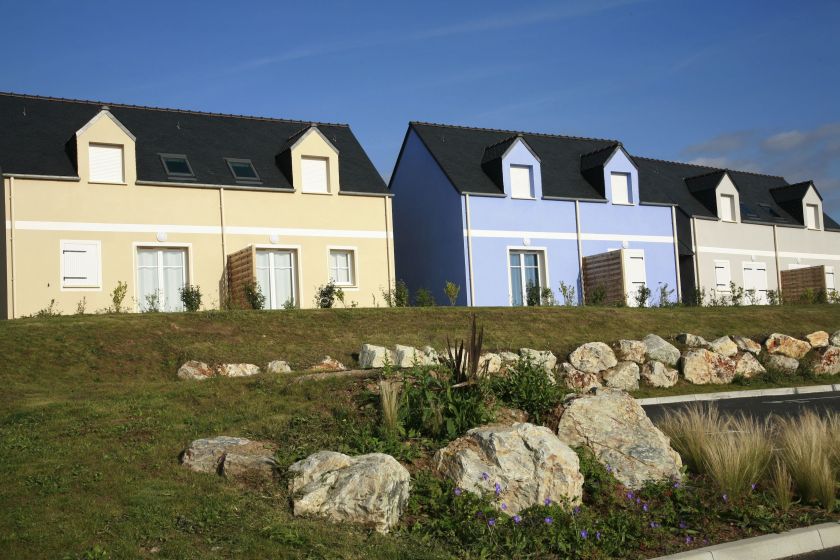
<point>692,340</point>
<point>328,364</point>
<point>818,339</point>
<point>624,376</point>
<point>528,462</point>
<point>615,427</point>
<point>370,490</point>
<point>371,356</point>
<point>835,339</point>
<point>783,364</point>
<point>787,346</point>
<point>747,345</point>
<point>703,366</point>
<point>578,380</point>
<point>232,457</point>
<point>724,346</point>
<point>508,358</point>
<point>195,370</point>
<point>593,357</point>
<point>632,351</point>
<point>409,356</point>
<point>660,350</point>
<point>828,361</point>
<point>237,370</point>
<point>748,366</point>
<point>432,355</point>
<point>489,363</point>
<point>658,374</point>
<point>278,366</point>
<point>544,358</point>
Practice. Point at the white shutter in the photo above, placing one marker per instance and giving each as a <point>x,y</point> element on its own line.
<point>829,279</point>
<point>636,274</point>
<point>520,182</point>
<point>727,208</point>
<point>723,276</point>
<point>314,175</point>
<point>755,278</point>
<point>812,216</point>
<point>80,264</point>
<point>620,188</point>
<point>106,163</point>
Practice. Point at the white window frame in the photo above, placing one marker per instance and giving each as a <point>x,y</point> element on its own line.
<point>97,287</point>
<point>542,263</point>
<point>328,179</point>
<point>297,276</point>
<point>812,221</point>
<point>724,264</point>
<point>531,187</point>
<point>122,163</point>
<point>354,266</point>
<point>188,269</point>
<point>724,200</point>
<point>628,192</point>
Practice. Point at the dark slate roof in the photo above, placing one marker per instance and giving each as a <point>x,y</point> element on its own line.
<point>460,152</point>
<point>792,193</point>
<point>37,133</point>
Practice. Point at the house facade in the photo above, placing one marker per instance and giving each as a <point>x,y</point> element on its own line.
<point>743,229</point>
<point>95,195</point>
<point>508,215</point>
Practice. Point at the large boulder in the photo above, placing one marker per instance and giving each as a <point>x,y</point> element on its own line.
<point>194,369</point>
<point>278,366</point>
<point>578,380</point>
<point>782,364</point>
<point>409,356</point>
<point>631,351</point>
<point>369,490</point>
<point>624,376</point>
<point>371,356</point>
<point>233,457</point>
<point>702,366</point>
<point>786,346</point>
<point>508,358</point>
<point>827,361</point>
<point>835,339</point>
<point>432,355</point>
<point>528,462</point>
<point>658,374</point>
<point>489,363</point>
<point>237,370</point>
<point>615,427</point>
<point>746,365</point>
<point>745,344</point>
<point>724,346</point>
<point>593,357</point>
<point>692,340</point>
<point>543,358</point>
<point>818,339</point>
<point>660,350</point>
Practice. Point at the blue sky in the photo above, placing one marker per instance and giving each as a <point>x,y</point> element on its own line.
<point>750,85</point>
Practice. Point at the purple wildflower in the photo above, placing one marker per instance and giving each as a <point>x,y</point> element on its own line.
<point>549,520</point>
<point>598,535</point>
<point>654,525</point>
<point>516,519</point>
<point>485,476</point>
<point>504,506</point>
<point>683,524</point>
<point>491,522</point>
<point>644,507</point>
<point>498,488</point>
<point>725,498</point>
<point>584,534</point>
<point>676,485</point>
<point>458,491</point>
<point>752,486</point>
<point>547,501</point>
<point>576,510</point>
<point>688,539</point>
<point>630,495</point>
<point>609,468</point>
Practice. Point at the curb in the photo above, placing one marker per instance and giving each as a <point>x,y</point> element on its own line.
<point>740,394</point>
<point>768,547</point>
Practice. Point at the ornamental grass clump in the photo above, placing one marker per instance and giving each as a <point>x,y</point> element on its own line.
<point>806,447</point>
<point>691,430</point>
<point>781,486</point>
<point>389,398</point>
<point>735,459</point>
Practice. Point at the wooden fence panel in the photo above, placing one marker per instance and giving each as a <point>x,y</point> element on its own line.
<point>240,271</point>
<point>797,283</point>
<point>604,273</point>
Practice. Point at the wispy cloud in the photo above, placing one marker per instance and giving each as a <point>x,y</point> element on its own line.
<point>721,144</point>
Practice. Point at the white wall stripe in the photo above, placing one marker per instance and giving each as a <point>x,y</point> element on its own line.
<point>25,225</point>
<point>729,251</point>
<point>569,236</point>
<point>820,256</point>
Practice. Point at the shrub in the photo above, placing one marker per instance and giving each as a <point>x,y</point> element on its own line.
<point>774,297</point>
<point>326,295</point>
<point>118,296</point>
<point>527,387</point>
<point>424,298</point>
<point>598,295</point>
<point>152,304</point>
<point>567,291</point>
<point>254,295</point>
<point>532,295</point>
<point>396,297</point>
<point>642,296</point>
<point>736,294</point>
<point>665,296</point>
<point>191,297</point>
<point>698,297</point>
<point>461,361</point>
<point>49,311</point>
<point>81,306</point>
<point>452,291</point>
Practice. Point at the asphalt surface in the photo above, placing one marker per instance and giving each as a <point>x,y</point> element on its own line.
<point>830,554</point>
<point>761,407</point>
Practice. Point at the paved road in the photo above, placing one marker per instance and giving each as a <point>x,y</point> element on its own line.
<point>761,407</point>
<point>830,554</point>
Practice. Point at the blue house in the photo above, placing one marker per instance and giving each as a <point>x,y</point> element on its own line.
<point>507,215</point>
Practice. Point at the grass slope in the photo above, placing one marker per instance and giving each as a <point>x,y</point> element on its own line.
<point>92,418</point>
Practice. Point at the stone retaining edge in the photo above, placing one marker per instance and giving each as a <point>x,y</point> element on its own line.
<point>739,394</point>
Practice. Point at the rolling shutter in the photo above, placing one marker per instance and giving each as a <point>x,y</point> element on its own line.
<point>620,188</point>
<point>314,175</point>
<point>520,182</point>
<point>80,264</point>
<point>723,276</point>
<point>106,163</point>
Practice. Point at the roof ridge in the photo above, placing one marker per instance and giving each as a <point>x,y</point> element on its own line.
<point>508,139</point>
<point>712,167</point>
<point>165,109</point>
<point>712,172</point>
<point>796,184</point>
<point>513,132</point>
<point>593,152</point>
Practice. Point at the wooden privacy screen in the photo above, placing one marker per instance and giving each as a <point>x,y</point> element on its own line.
<point>604,273</point>
<point>796,283</point>
<point>240,271</point>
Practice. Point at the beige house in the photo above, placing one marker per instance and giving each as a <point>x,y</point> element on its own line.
<point>95,195</point>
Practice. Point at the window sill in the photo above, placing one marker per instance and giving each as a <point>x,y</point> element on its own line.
<point>320,193</point>
<point>622,204</point>
<point>523,197</point>
<point>106,183</point>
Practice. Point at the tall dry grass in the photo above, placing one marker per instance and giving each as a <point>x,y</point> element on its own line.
<point>780,485</point>
<point>807,447</point>
<point>691,430</point>
<point>738,458</point>
<point>389,398</point>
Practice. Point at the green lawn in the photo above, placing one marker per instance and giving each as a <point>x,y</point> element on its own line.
<point>92,418</point>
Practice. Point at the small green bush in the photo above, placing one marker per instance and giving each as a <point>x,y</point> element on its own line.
<point>326,295</point>
<point>424,298</point>
<point>191,297</point>
<point>452,291</point>
<point>118,296</point>
<point>254,295</point>
<point>527,387</point>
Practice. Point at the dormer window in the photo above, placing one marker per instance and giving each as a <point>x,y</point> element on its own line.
<point>314,175</point>
<point>620,192</point>
<point>177,166</point>
<point>521,181</point>
<point>727,207</point>
<point>812,216</point>
<point>243,170</point>
<point>106,163</point>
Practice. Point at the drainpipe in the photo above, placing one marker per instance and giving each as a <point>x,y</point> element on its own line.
<point>385,200</point>
<point>223,297</point>
<point>469,250</point>
<point>580,252</point>
<point>676,252</point>
<point>12,315</point>
<point>776,254</point>
<point>696,254</point>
